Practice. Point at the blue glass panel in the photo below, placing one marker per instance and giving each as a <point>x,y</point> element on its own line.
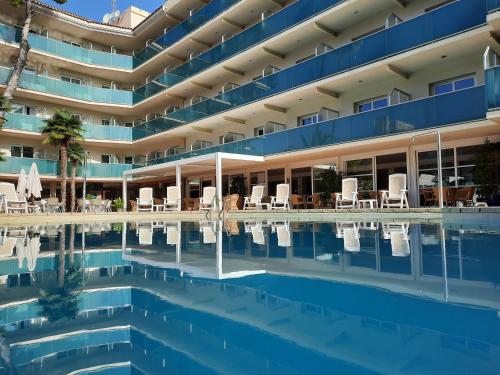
<point>443,88</point>
<point>465,83</point>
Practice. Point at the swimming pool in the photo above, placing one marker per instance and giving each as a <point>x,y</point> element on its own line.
<point>267,297</point>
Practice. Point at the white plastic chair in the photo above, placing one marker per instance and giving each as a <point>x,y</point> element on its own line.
<point>282,198</point>
<point>173,199</point>
<point>396,196</point>
<point>207,201</point>
<point>349,196</point>
<point>255,200</point>
<point>145,201</point>
<point>12,202</point>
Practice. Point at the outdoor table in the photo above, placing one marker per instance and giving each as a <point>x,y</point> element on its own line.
<point>368,203</point>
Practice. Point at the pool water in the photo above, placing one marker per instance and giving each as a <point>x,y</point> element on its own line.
<point>228,297</point>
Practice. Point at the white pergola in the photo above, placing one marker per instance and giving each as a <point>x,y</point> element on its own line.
<point>193,165</point>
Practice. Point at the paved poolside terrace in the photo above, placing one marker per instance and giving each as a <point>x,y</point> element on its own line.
<point>486,216</point>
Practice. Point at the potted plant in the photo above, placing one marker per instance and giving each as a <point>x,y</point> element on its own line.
<point>329,181</point>
<point>487,172</point>
<point>118,205</point>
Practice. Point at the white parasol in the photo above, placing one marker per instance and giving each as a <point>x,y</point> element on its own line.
<point>33,184</point>
<point>21,183</point>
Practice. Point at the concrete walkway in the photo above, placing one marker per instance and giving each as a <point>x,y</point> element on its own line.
<point>412,214</point>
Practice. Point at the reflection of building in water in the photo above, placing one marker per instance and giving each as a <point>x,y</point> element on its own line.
<point>151,315</point>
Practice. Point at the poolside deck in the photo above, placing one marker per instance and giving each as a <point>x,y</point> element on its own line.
<point>490,215</point>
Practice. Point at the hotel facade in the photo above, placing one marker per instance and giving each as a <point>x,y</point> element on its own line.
<point>201,92</point>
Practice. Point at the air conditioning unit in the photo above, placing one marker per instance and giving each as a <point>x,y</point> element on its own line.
<point>198,145</point>
<point>322,48</point>
<point>196,99</point>
<point>174,150</point>
<point>266,14</point>
<point>171,108</point>
<point>229,86</point>
<point>226,36</point>
<point>268,70</point>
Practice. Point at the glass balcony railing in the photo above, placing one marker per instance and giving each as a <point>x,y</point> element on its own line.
<point>58,48</point>
<point>492,79</point>
<point>179,31</point>
<point>13,165</point>
<point>55,47</point>
<point>457,107</point>
<point>30,81</point>
<point>492,5</point>
<point>98,132</point>
<point>286,18</point>
<point>421,30</point>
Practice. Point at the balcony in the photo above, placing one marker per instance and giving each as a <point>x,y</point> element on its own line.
<point>12,165</point>
<point>436,111</point>
<point>286,18</point>
<point>58,48</point>
<point>413,33</point>
<point>179,31</point>
<point>33,124</point>
<point>30,81</point>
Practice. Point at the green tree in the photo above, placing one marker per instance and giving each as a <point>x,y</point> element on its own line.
<point>76,154</point>
<point>24,47</point>
<point>60,130</point>
<point>4,108</point>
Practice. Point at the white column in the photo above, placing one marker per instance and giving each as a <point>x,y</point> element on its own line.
<point>178,183</point>
<point>218,179</point>
<point>124,236</point>
<point>218,266</point>
<point>412,169</point>
<point>178,244</point>
<point>124,192</point>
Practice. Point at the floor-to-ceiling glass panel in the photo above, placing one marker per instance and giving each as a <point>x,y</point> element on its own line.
<point>387,165</point>
<point>274,178</point>
<point>301,181</point>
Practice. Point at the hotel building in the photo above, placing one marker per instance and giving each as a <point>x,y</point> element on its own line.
<point>203,91</point>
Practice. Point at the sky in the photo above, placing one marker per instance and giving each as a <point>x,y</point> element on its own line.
<point>95,9</point>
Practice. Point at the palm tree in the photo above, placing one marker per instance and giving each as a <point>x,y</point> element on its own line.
<point>4,108</point>
<point>24,48</point>
<point>60,130</point>
<point>76,154</point>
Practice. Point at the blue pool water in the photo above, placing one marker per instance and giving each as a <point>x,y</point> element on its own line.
<point>228,297</point>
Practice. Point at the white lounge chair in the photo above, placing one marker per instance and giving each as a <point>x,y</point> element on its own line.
<point>255,200</point>
<point>282,198</point>
<point>396,196</point>
<point>349,196</point>
<point>12,202</point>
<point>145,202</point>
<point>283,234</point>
<point>173,199</point>
<point>207,201</point>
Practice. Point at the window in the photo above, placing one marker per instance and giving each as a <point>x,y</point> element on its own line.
<point>387,165</point>
<point>309,119</point>
<point>76,81</point>
<point>128,160</point>
<point>453,84</point>
<point>106,159</point>
<point>72,43</point>
<point>258,131</point>
<point>106,122</point>
<point>24,109</point>
<point>128,124</point>
<point>369,104</point>
<point>257,179</point>
<point>274,178</point>
<point>362,169</point>
<point>29,70</point>
<point>104,86</point>
<point>22,151</point>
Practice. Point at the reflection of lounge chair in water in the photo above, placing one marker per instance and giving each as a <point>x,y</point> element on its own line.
<point>28,248</point>
<point>350,233</point>
<point>7,245</point>
<point>258,234</point>
<point>145,233</point>
<point>283,234</point>
<point>208,231</point>
<point>172,234</point>
<point>398,234</point>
